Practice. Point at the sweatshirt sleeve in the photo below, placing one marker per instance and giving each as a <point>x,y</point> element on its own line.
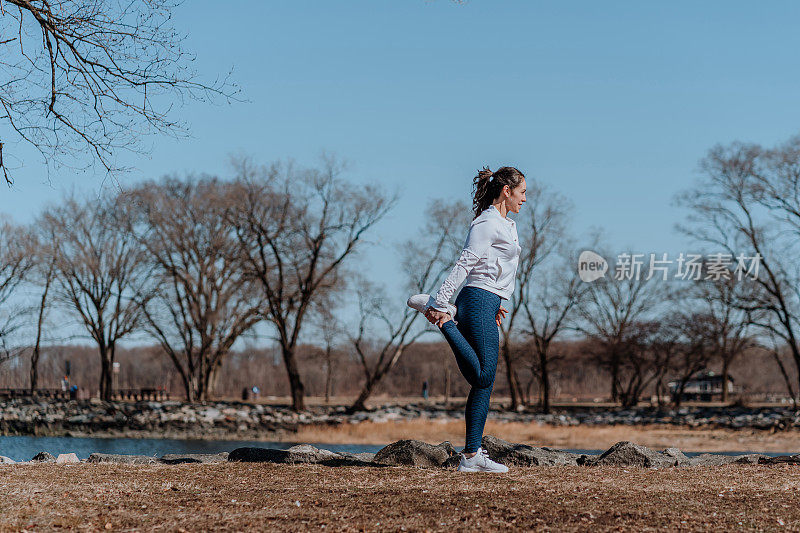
<point>480,238</point>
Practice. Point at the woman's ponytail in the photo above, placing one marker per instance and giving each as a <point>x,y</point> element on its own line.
<point>486,186</point>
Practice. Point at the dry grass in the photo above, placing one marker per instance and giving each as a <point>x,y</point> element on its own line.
<point>573,437</point>
<point>303,497</point>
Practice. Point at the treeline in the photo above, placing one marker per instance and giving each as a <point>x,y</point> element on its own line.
<point>575,377</point>
<point>195,264</point>
<point>192,263</point>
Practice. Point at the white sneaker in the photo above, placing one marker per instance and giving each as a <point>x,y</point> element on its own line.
<point>480,462</point>
<point>421,302</point>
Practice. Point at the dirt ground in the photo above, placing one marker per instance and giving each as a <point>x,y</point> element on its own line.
<point>312,497</point>
<point>572,437</point>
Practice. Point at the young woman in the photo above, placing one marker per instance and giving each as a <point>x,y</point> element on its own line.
<point>488,262</point>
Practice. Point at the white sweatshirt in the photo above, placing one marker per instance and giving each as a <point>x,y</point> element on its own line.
<point>489,258</point>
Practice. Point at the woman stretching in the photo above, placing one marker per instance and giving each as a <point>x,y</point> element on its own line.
<point>488,262</point>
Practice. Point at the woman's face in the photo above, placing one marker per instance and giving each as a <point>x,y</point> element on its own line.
<point>517,198</point>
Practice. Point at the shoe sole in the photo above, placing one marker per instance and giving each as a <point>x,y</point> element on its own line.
<point>468,469</point>
<point>425,308</point>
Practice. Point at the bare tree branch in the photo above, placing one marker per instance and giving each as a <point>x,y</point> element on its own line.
<point>93,77</point>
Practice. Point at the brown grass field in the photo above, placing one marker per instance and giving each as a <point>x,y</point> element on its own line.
<point>572,437</point>
<point>267,497</point>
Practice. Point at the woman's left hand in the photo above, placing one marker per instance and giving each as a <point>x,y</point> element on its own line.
<point>501,314</point>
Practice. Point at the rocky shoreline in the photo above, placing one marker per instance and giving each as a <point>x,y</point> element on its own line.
<point>414,453</point>
<point>238,420</point>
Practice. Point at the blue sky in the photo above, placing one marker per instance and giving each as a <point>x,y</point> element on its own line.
<point>609,103</point>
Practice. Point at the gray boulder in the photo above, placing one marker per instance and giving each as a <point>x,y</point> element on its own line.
<point>410,452</point>
<point>301,453</point>
<point>630,454</point>
<point>43,457</point>
<point>67,459</point>
<point>780,460</point>
<point>6,460</point>
<point>364,456</point>
<point>180,458</point>
<point>524,455</point>
<point>715,459</point>
<point>121,459</point>
<point>677,456</point>
<point>352,459</point>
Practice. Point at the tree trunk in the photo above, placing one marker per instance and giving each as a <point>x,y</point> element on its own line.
<point>518,386</point>
<point>295,382</point>
<point>544,373</point>
<point>35,366</point>
<point>205,382</point>
<point>39,323</point>
<point>213,380</point>
<point>328,379</point>
<point>679,392</point>
<point>359,404</point>
<point>725,372</point>
<point>187,387</point>
<point>528,389</point>
<point>659,392</point>
<point>328,374</point>
<point>512,385</point>
<point>614,378</point>
<point>106,375</point>
<point>785,376</point>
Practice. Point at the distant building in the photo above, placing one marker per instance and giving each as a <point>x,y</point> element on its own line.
<point>704,386</point>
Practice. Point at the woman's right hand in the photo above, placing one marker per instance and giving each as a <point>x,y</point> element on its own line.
<point>437,317</point>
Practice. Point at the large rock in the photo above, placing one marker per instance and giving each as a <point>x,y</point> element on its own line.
<point>629,454</point>
<point>352,459</point>
<point>301,453</point>
<point>43,457</point>
<point>677,456</point>
<point>67,459</point>
<point>780,460</point>
<point>524,455</point>
<point>121,459</point>
<point>363,456</point>
<point>6,460</point>
<point>716,459</point>
<point>410,452</point>
<point>180,458</point>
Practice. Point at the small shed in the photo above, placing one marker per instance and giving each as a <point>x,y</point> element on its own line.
<point>705,386</point>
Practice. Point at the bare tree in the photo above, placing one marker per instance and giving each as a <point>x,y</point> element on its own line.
<point>331,330</point>
<point>776,348</point>
<point>550,310</point>
<point>200,300</point>
<point>725,302</point>
<point>698,347</point>
<point>16,261</point>
<point>329,334</point>
<point>665,346</point>
<point>542,227</point>
<point>425,262</point>
<point>638,363</point>
<point>613,304</point>
<point>92,76</point>
<point>747,205</point>
<point>45,272</point>
<point>378,354</point>
<point>296,229</point>
<point>98,271</point>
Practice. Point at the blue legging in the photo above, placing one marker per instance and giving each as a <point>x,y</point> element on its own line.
<point>476,344</point>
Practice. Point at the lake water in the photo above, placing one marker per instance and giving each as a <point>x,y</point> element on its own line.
<point>23,448</point>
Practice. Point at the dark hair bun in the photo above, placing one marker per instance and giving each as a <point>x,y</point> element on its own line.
<point>486,186</point>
